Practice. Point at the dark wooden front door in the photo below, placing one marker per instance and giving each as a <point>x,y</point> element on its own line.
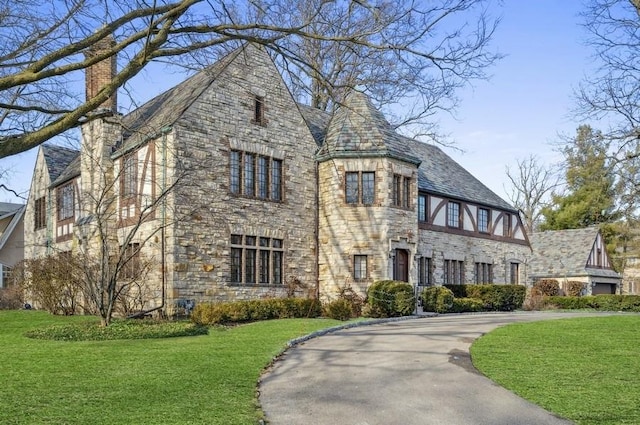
<point>401,266</point>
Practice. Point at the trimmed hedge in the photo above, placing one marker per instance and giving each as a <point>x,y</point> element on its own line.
<point>494,297</point>
<point>390,298</point>
<point>546,287</point>
<point>597,302</point>
<point>340,309</point>
<point>438,299</point>
<point>252,310</point>
<point>464,305</point>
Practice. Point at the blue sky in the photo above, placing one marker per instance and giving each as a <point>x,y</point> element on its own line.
<point>518,112</point>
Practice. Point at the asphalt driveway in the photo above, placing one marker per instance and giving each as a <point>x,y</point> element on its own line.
<point>408,372</point>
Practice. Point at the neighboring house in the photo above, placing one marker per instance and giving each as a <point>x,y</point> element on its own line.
<point>573,255</point>
<point>631,276</point>
<point>262,192</point>
<point>11,238</point>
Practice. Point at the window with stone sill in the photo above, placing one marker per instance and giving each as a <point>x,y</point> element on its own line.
<point>484,272</point>
<point>360,267</point>
<point>453,272</point>
<point>360,187</point>
<point>255,176</point>
<point>256,260</point>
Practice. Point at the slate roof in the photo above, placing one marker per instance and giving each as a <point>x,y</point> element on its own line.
<point>72,170</point>
<point>565,253</point>
<point>9,208</point>
<point>164,110</point>
<point>358,128</point>
<point>58,158</point>
<point>317,121</point>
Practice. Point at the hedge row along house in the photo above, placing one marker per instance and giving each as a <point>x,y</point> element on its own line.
<point>225,188</point>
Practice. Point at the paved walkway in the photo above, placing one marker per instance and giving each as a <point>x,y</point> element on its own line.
<point>409,372</point>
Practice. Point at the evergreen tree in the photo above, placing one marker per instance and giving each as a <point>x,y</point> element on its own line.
<point>589,198</point>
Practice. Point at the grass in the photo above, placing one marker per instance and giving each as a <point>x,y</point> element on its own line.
<point>582,369</point>
<point>207,379</point>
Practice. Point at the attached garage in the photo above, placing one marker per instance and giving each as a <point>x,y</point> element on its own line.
<point>603,288</point>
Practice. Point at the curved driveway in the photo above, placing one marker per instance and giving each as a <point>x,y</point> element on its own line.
<point>407,372</point>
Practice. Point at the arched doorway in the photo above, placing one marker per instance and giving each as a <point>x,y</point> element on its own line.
<point>401,266</point>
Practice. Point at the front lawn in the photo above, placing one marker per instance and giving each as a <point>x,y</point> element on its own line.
<point>583,369</point>
<point>209,379</point>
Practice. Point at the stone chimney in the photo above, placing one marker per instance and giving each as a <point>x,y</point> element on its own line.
<point>101,73</point>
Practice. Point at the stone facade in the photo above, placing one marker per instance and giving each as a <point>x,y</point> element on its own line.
<point>231,190</point>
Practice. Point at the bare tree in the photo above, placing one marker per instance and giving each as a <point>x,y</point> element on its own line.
<point>400,49</point>
<point>611,92</point>
<point>531,185</point>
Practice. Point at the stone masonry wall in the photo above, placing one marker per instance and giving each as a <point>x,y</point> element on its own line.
<point>375,231</point>
<point>208,214</point>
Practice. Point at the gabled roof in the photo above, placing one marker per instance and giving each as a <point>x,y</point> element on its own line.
<point>317,121</point>
<point>57,159</point>
<point>359,129</point>
<point>8,208</point>
<point>72,170</point>
<point>17,214</point>
<point>565,253</point>
<point>164,110</point>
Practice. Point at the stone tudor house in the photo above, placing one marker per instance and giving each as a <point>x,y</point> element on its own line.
<point>275,190</point>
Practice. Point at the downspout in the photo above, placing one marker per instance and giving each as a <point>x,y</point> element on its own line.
<point>317,228</point>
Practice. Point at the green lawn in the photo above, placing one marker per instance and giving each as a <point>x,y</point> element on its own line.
<point>189,380</point>
<point>586,369</point>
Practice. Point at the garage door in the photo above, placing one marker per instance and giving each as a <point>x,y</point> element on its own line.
<point>604,288</point>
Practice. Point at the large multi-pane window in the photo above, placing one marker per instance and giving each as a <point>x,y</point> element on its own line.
<point>359,267</point>
<point>65,197</point>
<point>425,271</point>
<point>256,260</point>
<point>360,187</point>
<point>40,214</point>
<point>484,272</point>
<point>422,208</point>
<point>453,272</point>
<point>453,214</point>
<point>255,175</point>
<point>483,220</point>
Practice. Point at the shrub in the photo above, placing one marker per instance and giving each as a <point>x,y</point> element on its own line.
<point>463,305</point>
<point>355,301</point>
<point>629,303</point>
<point>546,287</point>
<point>390,298</point>
<point>339,309</point>
<point>11,298</point>
<point>569,303</point>
<point>574,288</point>
<point>437,299</point>
<point>252,310</point>
<point>494,297</point>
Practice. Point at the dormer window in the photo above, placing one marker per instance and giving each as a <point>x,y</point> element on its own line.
<point>258,110</point>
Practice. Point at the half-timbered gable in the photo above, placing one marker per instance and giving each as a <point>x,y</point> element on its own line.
<point>574,255</point>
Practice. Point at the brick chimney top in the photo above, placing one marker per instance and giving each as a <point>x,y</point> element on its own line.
<point>101,73</point>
